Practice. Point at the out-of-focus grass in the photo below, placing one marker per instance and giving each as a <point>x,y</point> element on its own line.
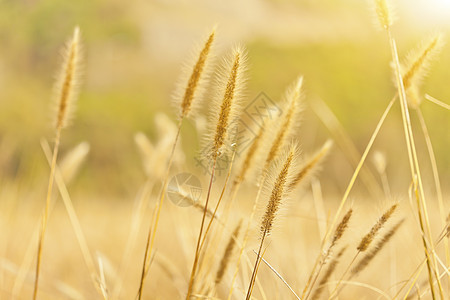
<point>125,85</point>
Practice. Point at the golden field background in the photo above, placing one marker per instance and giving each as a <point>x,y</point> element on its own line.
<point>133,58</point>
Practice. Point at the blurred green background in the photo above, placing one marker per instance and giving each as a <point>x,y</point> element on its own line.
<point>134,51</point>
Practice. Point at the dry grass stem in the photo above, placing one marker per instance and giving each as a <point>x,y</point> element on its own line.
<point>227,254</point>
<point>328,273</point>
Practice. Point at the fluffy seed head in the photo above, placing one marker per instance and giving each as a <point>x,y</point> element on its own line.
<point>368,238</point>
<point>288,118</point>
<point>66,87</point>
<point>197,77</point>
<point>311,164</point>
<point>230,92</point>
<point>372,253</point>
<point>384,13</point>
<point>279,190</point>
<point>416,67</point>
<point>340,229</point>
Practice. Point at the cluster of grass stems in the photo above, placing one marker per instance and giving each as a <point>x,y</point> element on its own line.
<point>272,165</point>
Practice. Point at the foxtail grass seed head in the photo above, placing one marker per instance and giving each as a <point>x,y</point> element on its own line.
<point>194,87</point>
<point>340,229</point>
<point>230,93</point>
<point>368,238</point>
<point>383,10</point>
<point>310,165</point>
<point>227,254</point>
<point>66,87</point>
<point>416,67</point>
<point>287,121</point>
<point>280,189</point>
<point>364,262</point>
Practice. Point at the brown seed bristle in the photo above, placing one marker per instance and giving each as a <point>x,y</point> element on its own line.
<point>66,86</point>
<point>293,96</point>
<point>278,191</point>
<point>228,101</point>
<point>249,158</point>
<point>340,229</point>
<point>372,253</point>
<point>227,254</point>
<point>368,238</point>
<point>327,275</point>
<point>382,8</point>
<point>309,166</point>
<point>196,75</point>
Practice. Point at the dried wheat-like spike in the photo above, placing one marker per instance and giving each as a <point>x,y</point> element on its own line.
<point>330,270</point>
<point>368,238</point>
<point>66,87</point>
<point>279,190</point>
<point>71,163</point>
<point>311,164</point>
<point>288,119</point>
<point>249,157</point>
<point>416,67</point>
<point>340,229</point>
<point>227,254</point>
<point>194,86</point>
<point>230,92</point>
<point>373,252</point>
<point>384,13</point>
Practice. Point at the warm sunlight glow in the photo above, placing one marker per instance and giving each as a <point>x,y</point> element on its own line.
<point>434,12</point>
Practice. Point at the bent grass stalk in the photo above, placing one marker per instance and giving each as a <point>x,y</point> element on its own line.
<point>87,256</point>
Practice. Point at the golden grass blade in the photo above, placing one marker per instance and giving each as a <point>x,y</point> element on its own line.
<point>436,101</point>
<point>279,276</point>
